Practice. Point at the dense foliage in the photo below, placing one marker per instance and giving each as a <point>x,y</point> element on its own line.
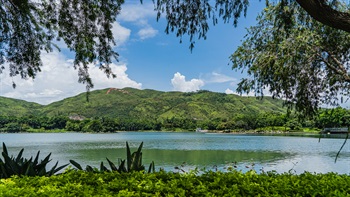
<point>21,166</point>
<point>131,109</point>
<point>194,17</point>
<point>326,118</point>
<point>141,110</point>
<point>29,27</point>
<point>80,183</point>
<point>304,62</point>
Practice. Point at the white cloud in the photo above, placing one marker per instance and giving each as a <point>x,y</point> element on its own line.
<point>147,32</point>
<point>229,91</point>
<point>59,80</point>
<point>136,12</point>
<point>120,33</point>
<point>215,77</point>
<point>180,84</point>
<point>221,78</point>
<point>101,81</point>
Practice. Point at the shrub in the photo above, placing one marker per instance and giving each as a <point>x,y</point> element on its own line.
<point>82,183</point>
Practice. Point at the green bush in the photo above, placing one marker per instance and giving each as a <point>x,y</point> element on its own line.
<point>13,127</point>
<point>81,183</point>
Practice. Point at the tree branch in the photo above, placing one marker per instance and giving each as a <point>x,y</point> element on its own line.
<point>340,65</point>
<point>340,71</point>
<point>322,12</point>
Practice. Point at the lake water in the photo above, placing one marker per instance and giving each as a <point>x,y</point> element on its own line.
<point>202,150</point>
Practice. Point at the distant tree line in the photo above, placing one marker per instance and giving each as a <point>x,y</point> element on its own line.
<point>337,117</point>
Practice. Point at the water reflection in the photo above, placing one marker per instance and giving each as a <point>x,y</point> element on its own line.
<point>279,153</point>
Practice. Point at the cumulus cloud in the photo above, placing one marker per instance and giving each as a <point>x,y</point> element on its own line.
<point>120,33</point>
<point>229,91</point>
<point>180,84</point>
<point>59,80</point>
<point>147,32</point>
<point>138,14</point>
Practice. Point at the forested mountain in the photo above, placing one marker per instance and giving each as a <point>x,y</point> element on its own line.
<point>129,109</point>
<point>146,104</point>
<point>150,104</point>
<point>15,107</point>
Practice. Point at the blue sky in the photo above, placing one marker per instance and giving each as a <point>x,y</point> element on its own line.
<point>149,59</point>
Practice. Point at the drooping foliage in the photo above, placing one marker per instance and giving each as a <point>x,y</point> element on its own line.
<point>193,18</point>
<point>29,27</point>
<point>303,61</point>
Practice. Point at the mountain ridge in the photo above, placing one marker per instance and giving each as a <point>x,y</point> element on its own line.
<point>133,103</point>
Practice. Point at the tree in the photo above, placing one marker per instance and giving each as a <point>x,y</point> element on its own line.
<point>29,27</point>
<point>336,117</point>
<point>305,63</point>
<point>191,16</point>
<point>93,126</point>
<point>325,12</point>
<point>13,127</point>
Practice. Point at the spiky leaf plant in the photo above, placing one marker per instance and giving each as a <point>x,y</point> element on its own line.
<point>21,166</point>
<point>133,163</point>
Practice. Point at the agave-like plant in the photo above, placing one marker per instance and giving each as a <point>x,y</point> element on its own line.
<point>133,163</point>
<point>25,167</point>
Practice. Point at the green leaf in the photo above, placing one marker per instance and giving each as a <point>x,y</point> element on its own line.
<point>111,164</point>
<point>19,156</point>
<point>103,168</point>
<point>4,149</point>
<point>36,158</point>
<point>128,156</point>
<point>89,169</point>
<point>151,167</point>
<point>76,164</point>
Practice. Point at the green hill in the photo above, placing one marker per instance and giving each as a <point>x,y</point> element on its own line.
<point>15,107</point>
<point>150,104</point>
<point>129,103</point>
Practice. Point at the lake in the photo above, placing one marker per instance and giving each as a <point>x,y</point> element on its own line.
<point>203,150</point>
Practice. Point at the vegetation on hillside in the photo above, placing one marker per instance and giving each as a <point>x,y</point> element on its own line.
<point>16,107</point>
<point>129,103</point>
<point>128,109</point>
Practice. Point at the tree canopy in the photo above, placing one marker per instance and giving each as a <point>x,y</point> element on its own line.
<point>299,50</point>
<point>313,55</point>
<point>192,17</point>
<point>306,63</point>
<point>29,27</point>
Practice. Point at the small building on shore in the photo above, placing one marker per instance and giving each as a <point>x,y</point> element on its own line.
<point>335,130</point>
